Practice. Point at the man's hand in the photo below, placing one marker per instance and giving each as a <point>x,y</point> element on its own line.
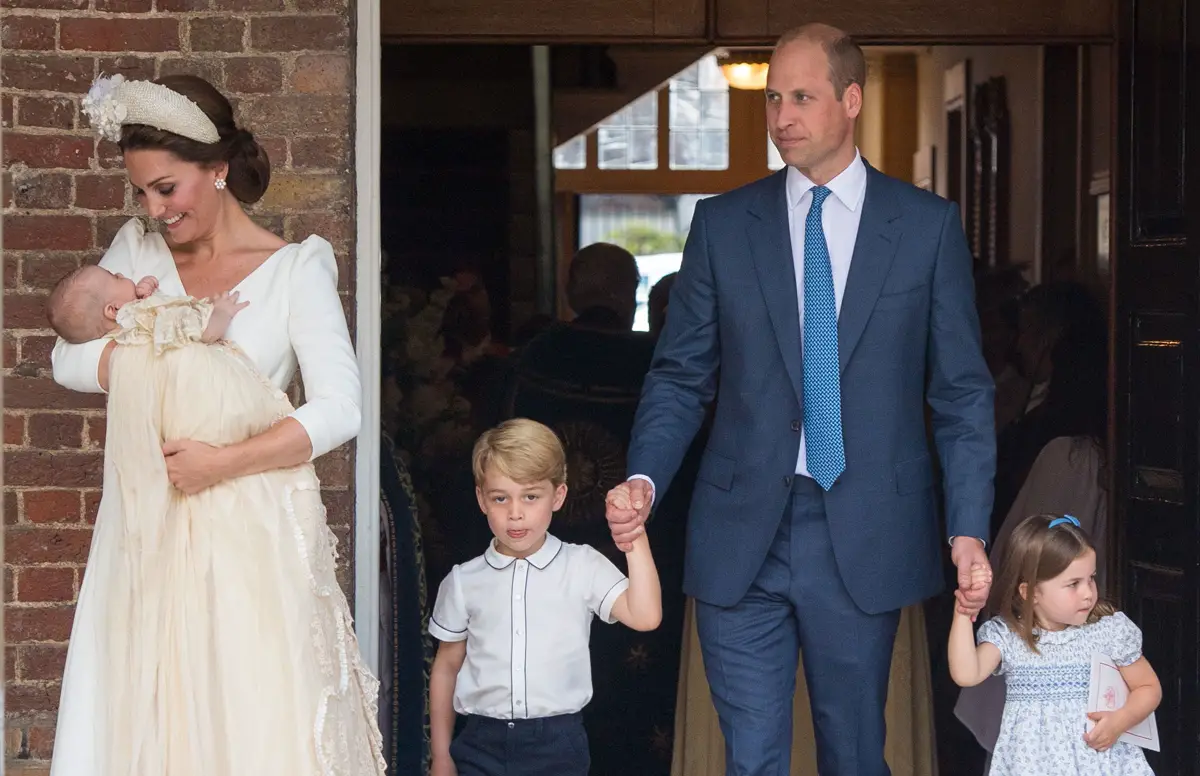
<point>974,575</point>
<point>145,287</point>
<point>628,506</point>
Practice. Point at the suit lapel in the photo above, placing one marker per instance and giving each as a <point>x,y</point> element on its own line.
<point>771,250</point>
<point>874,249</point>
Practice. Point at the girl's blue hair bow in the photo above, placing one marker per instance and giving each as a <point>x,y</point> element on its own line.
<point>1063,520</point>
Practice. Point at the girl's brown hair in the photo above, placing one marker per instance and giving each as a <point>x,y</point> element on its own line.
<point>1037,553</point>
<point>249,168</point>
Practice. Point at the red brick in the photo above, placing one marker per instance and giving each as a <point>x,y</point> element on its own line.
<point>96,429</point>
<point>109,155</point>
<point>56,431</point>
<point>40,663</point>
<point>36,351</point>
<point>50,112</point>
<point>319,152</point>
<point>249,5</point>
<point>10,351</point>
<point>332,6</point>
<point>133,68</point>
<point>25,546</point>
<point>41,737</point>
<point>207,68</point>
<point>43,269</point>
<point>46,72</point>
<point>33,33</point>
<point>298,114</point>
<point>51,506</point>
<point>60,470</point>
<point>334,469</point>
<point>125,6</point>
<point>24,311</point>
<point>217,34</point>
<point>107,228</point>
<point>183,6</point>
<point>10,653</point>
<point>321,74</point>
<point>298,33</point>
<point>48,150</point>
<point>50,5</point>
<point>276,151</point>
<point>46,191</point>
<point>90,34</point>
<point>41,393</point>
<point>32,698</point>
<point>331,226</point>
<point>43,623</point>
<point>14,429</point>
<point>65,233</point>
<point>100,192</point>
<point>12,508</point>
<point>253,75</point>
<point>46,584</point>
<point>91,504</point>
<point>7,110</point>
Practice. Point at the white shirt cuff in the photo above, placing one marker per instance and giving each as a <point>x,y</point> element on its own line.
<point>610,598</point>
<point>653,490</point>
<point>442,634</point>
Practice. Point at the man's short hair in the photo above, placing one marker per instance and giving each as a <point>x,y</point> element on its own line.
<point>847,63</point>
<point>602,275</point>
<point>523,450</point>
<point>75,309</point>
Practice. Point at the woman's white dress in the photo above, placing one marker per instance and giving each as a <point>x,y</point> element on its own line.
<point>210,635</point>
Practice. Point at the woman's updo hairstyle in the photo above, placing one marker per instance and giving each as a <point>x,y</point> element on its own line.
<point>249,168</point>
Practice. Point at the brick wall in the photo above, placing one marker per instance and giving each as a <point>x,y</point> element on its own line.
<point>288,65</point>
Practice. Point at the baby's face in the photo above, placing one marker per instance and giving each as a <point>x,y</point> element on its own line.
<point>115,289</point>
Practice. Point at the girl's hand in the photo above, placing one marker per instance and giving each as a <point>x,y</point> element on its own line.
<point>1108,729</point>
<point>193,466</point>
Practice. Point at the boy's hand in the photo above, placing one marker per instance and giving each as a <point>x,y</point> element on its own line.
<point>442,766</point>
<point>627,508</point>
<point>145,287</point>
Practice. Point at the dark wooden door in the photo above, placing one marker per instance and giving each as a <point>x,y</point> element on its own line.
<point>1156,241</point>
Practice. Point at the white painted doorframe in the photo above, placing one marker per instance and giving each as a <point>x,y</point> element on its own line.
<point>367,324</point>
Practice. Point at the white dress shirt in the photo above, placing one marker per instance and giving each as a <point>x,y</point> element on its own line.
<point>527,624</point>
<point>840,216</point>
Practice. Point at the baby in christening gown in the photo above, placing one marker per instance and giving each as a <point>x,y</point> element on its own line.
<point>228,645</point>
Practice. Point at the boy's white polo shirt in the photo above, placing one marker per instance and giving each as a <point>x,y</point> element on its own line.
<point>526,623</point>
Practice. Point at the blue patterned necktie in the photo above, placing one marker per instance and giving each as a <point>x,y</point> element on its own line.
<point>822,383</point>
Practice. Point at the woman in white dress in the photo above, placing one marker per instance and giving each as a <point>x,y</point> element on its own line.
<point>224,647</point>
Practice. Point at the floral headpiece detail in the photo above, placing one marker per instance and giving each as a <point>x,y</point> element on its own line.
<point>113,102</point>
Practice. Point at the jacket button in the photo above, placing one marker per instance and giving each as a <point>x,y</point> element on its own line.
<point>787,481</point>
<point>795,425</point>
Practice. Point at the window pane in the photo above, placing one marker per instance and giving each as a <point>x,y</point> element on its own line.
<point>643,149</point>
<point>571,155</point>
<point>644,112</point>
<point>651,227</point>
<point>614,148</point>
<point>700,118</point>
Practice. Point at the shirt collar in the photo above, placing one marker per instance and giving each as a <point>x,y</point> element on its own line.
<point>540,559</point>
<point>848,186</point>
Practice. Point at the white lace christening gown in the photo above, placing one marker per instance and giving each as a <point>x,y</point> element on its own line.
<point>211,634</point>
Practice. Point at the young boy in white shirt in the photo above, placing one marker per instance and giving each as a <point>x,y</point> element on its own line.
<point>514,622</point>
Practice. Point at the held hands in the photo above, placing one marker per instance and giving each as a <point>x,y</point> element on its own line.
<point>627,508</point>
<point>193,466</point>
<point>145,287</point>
<point>1109,728</point>
<point>974,576</point>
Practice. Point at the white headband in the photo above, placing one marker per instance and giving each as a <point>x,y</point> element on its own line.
<point>113,102</point>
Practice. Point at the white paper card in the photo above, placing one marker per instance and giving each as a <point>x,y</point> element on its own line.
<point>1108,692</point>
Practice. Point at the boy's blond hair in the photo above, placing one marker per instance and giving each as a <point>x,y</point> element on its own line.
<point>523,450</point>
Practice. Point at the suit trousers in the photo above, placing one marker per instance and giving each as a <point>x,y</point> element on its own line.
<point>544,746</point>
<point>799,602</point>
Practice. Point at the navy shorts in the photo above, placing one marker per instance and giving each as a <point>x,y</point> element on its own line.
<point>547,746</point>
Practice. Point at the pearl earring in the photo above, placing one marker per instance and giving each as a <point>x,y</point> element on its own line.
<point>220,184</point>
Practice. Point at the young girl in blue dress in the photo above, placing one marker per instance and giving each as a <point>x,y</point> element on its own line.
<point>1048,624</point>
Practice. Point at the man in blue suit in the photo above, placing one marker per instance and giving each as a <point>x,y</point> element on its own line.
<point>823,307</point>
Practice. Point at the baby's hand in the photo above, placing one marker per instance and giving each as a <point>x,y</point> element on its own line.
<point>146,286</point>
<point>227,304</point>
